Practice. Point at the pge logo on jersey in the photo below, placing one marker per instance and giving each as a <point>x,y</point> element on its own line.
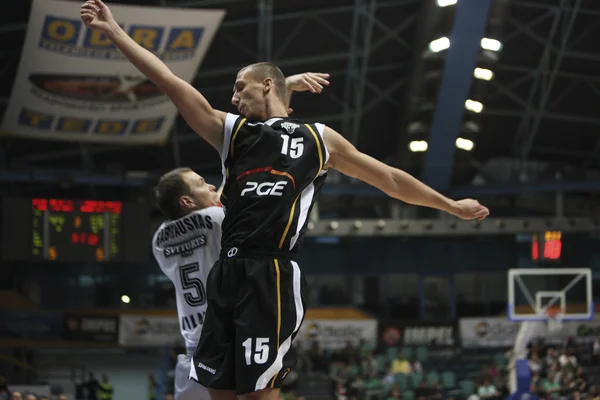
<point>71,37</point>
<point>264,189</point>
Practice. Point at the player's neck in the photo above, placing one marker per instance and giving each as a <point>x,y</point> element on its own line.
<point>275,109</point>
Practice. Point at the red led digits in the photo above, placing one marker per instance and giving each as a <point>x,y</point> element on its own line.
<point>552,249</point>
<point>95,206</point>
<point>61,205</point>
<point>39,204</point>
<point>92,239</point>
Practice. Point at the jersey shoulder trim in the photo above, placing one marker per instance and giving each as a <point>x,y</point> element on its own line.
<point>321,130</point>
<point>233,123</point>
<point>230,120</point>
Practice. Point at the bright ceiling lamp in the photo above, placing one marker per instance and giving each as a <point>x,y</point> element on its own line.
<point>440,44</point>
<point>464,144</point>
<point>446,3</point>
<point>490,44</point>
<point>417,146</point>
<point>483,73</point>
<point>473,106</point>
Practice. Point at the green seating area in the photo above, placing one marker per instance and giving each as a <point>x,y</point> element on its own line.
<point>457,374</point>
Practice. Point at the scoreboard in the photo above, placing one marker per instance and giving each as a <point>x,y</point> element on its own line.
<point>67,230</point>
<point>546,246</point>
<point>76,230</point>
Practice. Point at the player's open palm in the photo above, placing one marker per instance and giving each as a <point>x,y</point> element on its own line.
<point>470,209</point>
<point>96,15</point>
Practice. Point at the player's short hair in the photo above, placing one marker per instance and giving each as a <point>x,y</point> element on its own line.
<point>264,70</point>
<point>169,189</point>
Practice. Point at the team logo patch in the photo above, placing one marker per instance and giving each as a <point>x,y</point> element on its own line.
<point>232,252</point>
<point>289,127</point>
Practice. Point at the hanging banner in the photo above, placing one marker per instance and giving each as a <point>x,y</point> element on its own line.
<point>402,333</point>
<point>90,328</point>
<point>333,334</point>
<point>501,332</point>
<point>149,331</point>
<point>73,84</point>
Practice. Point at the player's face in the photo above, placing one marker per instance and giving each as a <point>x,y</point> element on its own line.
<point>250,95</point>
<point>201,194</point>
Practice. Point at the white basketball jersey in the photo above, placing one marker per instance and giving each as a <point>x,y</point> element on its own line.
<point>186,250</point>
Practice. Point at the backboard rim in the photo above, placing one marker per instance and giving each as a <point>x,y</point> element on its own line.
<point>536,317</point>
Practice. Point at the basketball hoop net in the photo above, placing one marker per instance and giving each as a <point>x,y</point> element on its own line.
<point>554,318</point>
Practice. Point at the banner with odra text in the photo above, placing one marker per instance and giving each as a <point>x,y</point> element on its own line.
<point>74,84</point>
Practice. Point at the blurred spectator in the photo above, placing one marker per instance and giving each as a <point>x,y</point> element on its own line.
<point>415,366</point>
<point>551,357</point>
<point>168,396</point>
<point>340,392</point>
<point>551,387</point>
<point>501,383</point>
<point>534,362</point>
<point>369,365</point>
<point>63,397</point>
<point>436,392</point>
<point>4,393</point>
<point>17,396</point>
<point>400,365</point>
<point>92,386</point>
<point>423,390</point>
<point>389,378</point>
<point>567,359</point>
<point>340,374</point>
<point>317,357</point>
<point>487,390</point>
<point>105,389</point>
<point>395,395</point>
<point>153,387</point>
<point>593,393</point>
<point>356,387</point>
<point>596,351</point>
<point>31,397</point>
<point>350,354</point>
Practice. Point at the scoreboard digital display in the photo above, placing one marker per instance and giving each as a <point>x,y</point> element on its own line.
<point>75,230</point>
<point>63,230</point>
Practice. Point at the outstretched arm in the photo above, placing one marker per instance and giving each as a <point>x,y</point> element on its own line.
<point>194,108</point>
<point>344,157</point>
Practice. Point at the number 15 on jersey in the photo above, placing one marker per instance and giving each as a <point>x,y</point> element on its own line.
<point>293,148</point>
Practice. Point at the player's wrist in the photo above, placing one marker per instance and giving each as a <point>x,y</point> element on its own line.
<point>112,29</point>
<point>451,206</point>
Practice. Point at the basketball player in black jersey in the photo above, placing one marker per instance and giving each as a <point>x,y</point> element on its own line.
<point>274,167</point>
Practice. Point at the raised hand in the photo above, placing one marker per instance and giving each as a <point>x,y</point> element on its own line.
<point>470,209</point>
<point>311,81</point>
<point>96,15</point>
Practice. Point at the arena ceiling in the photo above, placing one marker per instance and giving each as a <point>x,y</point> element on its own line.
<point>540,106</point>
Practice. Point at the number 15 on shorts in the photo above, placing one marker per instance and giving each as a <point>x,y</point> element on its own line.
<point>259,353</point>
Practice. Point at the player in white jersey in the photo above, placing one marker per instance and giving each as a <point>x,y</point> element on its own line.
<point>186,247</point>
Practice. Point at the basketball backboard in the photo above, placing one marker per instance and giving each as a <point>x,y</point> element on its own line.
<point>532,291</point>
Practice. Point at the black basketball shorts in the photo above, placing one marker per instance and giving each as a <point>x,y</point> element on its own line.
<point>255,309</point>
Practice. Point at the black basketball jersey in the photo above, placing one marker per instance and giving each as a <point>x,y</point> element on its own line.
<point>273,171</point>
